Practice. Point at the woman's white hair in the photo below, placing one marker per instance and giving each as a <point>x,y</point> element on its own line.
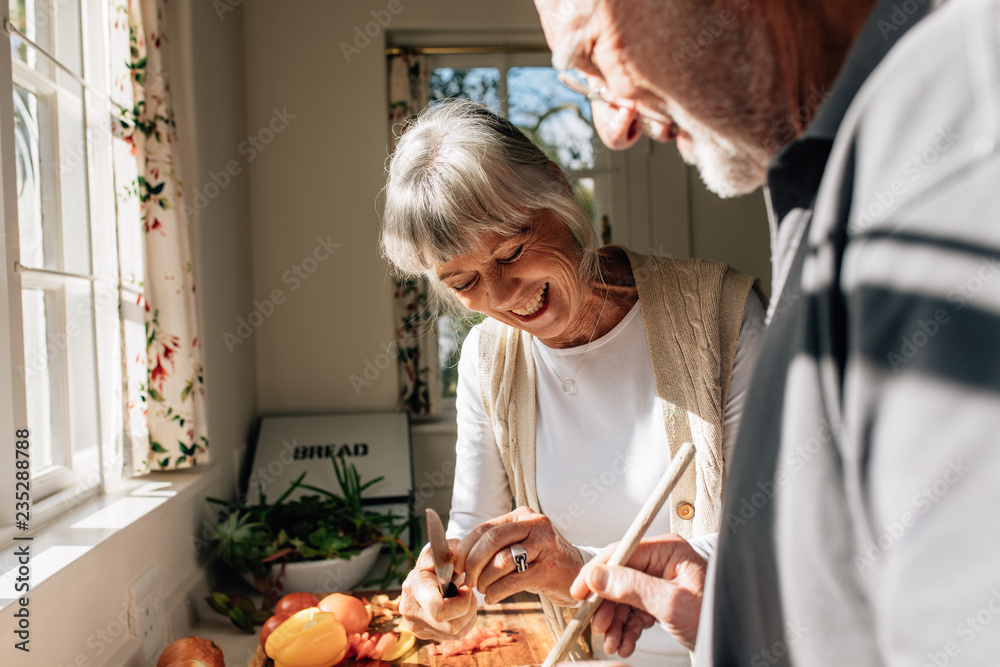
<point>461,172</point>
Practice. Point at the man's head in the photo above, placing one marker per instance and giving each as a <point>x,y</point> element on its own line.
<point>726,78</point>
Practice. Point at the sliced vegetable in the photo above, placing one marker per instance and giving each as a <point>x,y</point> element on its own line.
<point>403,644</point>
<point>309,638</point>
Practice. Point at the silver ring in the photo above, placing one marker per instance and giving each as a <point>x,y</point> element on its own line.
<point>520,555</point>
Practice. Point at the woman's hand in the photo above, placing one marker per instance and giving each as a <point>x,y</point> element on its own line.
<point>485,558</point>
<point>663,581</point>
<point>428,614</point>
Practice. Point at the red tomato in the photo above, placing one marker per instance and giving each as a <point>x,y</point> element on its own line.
<point>294,602</point>
<point>349,610</point>
<point>270,625</point>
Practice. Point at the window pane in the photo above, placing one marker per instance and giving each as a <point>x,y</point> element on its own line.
<point>557,119</point>
<point>81,366</point>
<point>476,83</point>
<point>27,142</point>
<point>451,334</point>
<point>37,378</point>
<point>74,198</point>
<point>33,19</point>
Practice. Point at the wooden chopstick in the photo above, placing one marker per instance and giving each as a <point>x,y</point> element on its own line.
<point>624,550</point>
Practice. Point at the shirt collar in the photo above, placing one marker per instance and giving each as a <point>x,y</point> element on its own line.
<point>794,175</point>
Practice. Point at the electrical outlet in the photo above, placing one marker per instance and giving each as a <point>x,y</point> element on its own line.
<point>145,606</point>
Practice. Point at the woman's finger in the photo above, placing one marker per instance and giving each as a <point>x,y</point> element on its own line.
<point>466,545</point>
<point>502,565</point>
<point>490,543</point>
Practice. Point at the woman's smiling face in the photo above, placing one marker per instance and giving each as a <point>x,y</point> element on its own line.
<point>530,280</point>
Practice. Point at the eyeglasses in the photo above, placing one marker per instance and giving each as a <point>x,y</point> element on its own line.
<point>577,81</point>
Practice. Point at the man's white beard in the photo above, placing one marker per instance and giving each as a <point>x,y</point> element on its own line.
<point>727,169</point>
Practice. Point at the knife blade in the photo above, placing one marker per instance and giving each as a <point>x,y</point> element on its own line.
<point>441,555</point>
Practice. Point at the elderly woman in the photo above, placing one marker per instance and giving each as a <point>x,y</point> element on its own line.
<point>593,367</point>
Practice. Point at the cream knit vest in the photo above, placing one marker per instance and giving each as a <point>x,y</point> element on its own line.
<point>692,311</point>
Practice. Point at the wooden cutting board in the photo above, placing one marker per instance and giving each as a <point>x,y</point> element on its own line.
<point>521,615</point>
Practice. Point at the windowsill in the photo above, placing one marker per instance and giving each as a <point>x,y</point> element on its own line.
<point>76,540</point>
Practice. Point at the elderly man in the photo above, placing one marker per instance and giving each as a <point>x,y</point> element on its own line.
<point>856,528</point>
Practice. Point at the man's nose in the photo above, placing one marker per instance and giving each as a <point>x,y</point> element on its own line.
<point>618,126</point>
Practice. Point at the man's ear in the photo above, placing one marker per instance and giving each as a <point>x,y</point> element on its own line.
<point>558,173</point>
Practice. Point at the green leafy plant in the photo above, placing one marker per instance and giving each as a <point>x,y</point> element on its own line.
<point>325,525</point>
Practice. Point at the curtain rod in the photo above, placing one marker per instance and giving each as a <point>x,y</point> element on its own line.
<point>468,49</point>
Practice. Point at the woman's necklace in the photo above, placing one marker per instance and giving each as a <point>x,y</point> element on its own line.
<point>569,382</point>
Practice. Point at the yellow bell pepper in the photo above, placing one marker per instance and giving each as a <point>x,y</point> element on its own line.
<point>309,638</point>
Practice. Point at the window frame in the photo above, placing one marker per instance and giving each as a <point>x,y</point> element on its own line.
<point>92,467</point>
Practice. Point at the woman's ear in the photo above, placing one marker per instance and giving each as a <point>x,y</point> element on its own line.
<point>558,173</point>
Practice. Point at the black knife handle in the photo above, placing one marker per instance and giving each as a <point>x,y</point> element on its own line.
<point>450,591</point>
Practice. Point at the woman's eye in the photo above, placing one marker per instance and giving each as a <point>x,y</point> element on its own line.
<point>463,287</point>
<point>512,257</point>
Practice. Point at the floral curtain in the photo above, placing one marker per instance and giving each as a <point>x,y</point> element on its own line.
<point>175,390</point>
<point>416,343</point>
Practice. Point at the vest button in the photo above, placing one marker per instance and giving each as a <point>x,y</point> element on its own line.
<point>685,511</point>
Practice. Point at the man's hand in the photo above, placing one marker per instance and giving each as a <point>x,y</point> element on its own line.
<point>664,581</point>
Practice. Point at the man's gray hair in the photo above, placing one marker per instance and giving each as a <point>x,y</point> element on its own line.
<point>461,172</point>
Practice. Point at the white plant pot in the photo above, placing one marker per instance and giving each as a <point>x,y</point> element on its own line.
<point>325,576</point>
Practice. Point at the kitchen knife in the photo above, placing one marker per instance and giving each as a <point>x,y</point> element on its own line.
<point>442,556</point>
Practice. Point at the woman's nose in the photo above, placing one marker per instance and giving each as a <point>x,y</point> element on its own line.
<point>618,126</point>
<point>503,293</point>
